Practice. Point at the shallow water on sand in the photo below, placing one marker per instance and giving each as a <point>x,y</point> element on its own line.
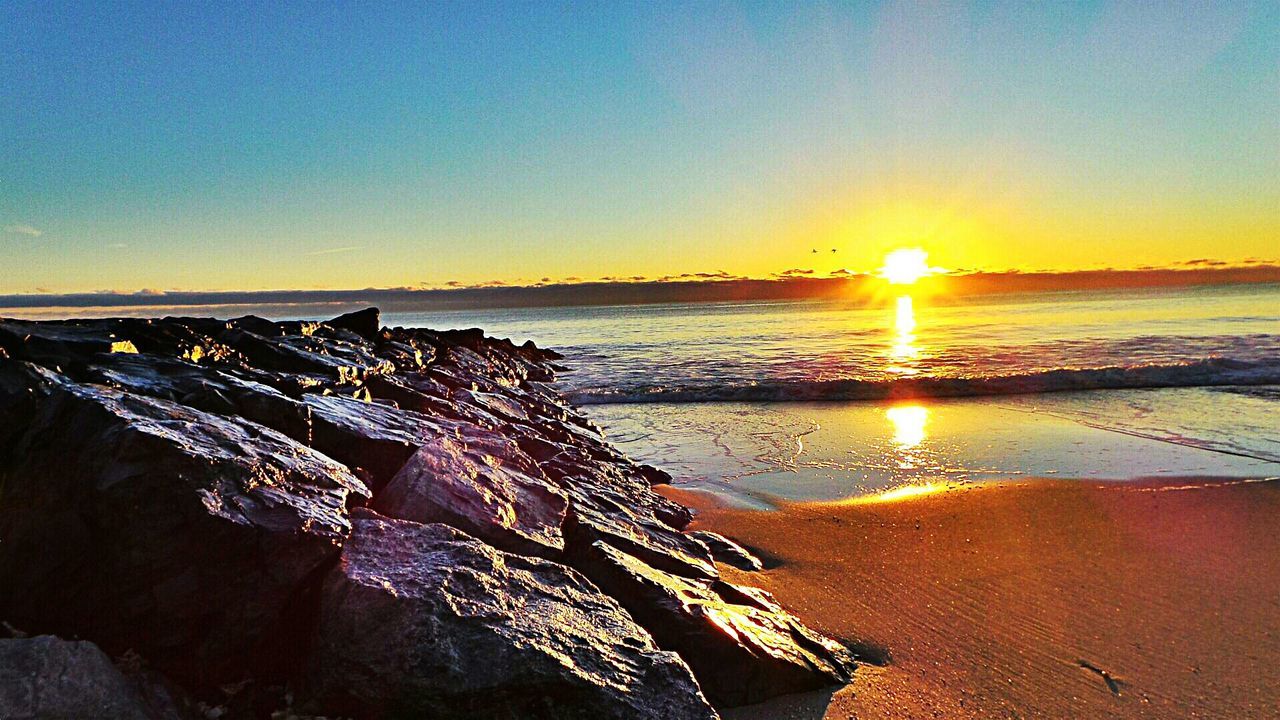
<point>749,452</point>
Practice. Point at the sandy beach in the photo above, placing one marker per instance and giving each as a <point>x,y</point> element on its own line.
<point>1036,599</point>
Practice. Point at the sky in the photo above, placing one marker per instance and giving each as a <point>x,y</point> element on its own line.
<point>239,146</point>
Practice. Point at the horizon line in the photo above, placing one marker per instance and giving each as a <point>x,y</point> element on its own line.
<point>715,287</point>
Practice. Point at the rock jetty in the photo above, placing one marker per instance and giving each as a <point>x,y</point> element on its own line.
<point>246,518</point>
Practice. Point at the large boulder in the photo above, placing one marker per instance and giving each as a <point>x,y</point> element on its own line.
<point>45,678</point>
<point>485,486</point>
<point>743,647</point>
<point>141,523</point>
<point>364,323</point>
<point>378,439</point>
<point>425,621</point>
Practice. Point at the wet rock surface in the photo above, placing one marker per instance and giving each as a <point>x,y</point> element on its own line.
<point>184,489</point>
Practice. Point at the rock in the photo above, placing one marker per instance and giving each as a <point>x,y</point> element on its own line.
<point>336,361</point>
<point>190,340</point>
<point>742,646</point>
<point>505,408</point>
<point>487,487</point>
<point>182,487</point>
<point>366,323</point>
<point>425,621</point>
<point>141,523</point>
<point>655,476</point>
<point>257,325</point>
<point>376,438</point>
<point>406,356</point>
<point>23,387</point>
<point>421,394</point>
<point>204,388</point>
<point>594,519</point>
<point>45,678</point>
<point>55,344</point>
<point>728,552</point>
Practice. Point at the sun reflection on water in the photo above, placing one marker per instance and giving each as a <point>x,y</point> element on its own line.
<point>903,348</point>
<point>908,425</point>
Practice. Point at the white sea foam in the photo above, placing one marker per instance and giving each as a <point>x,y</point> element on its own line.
<point>1212,372</point>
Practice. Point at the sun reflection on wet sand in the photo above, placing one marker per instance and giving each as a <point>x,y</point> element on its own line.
<point>908,424</point>
<point>902,493</point>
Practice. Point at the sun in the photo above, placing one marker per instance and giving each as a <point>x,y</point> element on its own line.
<point>903,267</point>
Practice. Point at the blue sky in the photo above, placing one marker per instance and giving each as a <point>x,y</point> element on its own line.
<point>241,146</point>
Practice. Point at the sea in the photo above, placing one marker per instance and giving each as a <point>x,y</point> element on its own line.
<point>763,402</point>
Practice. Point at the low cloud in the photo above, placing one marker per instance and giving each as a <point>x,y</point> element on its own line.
<point>27,230</point>
<point>793,272</point>
<point>624,279</point>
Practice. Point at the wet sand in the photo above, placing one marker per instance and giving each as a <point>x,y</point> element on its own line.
<point>1039,599</point>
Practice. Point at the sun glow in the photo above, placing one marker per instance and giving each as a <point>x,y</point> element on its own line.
<point>904,267</point>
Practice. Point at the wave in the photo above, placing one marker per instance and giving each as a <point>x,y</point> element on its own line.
<point>1205,373</point>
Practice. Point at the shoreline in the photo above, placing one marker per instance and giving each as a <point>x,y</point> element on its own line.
<point>368,497</point>
<point>1034,598</point>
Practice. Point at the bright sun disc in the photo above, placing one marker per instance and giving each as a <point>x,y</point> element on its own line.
<point>903,267</point>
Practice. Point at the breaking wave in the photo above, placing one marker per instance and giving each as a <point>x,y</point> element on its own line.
<point>1204,373</point>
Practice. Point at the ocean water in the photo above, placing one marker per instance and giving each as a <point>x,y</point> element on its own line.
<point>825,350</point>
<point>760,401</point>
<point>828,400</point>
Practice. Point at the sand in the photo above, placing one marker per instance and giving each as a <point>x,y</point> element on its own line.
<point>1039,599</point>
